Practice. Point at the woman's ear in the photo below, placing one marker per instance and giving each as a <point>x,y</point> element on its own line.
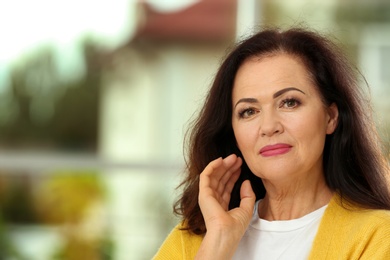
<point>333,119</point>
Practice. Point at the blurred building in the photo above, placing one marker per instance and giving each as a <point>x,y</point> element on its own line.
<point>152,90</point>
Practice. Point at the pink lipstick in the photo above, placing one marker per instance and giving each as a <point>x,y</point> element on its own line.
<point>275,149</point>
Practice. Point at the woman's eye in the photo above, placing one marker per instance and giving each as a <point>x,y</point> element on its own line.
<point>290,103</point>
<point>247,113</point>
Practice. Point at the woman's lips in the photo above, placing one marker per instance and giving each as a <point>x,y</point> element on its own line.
<point>275,149</point>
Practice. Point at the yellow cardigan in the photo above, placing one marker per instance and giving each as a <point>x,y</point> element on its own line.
<point>345,232</point>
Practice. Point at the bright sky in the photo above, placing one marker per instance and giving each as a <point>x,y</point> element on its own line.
<point>26,25</point>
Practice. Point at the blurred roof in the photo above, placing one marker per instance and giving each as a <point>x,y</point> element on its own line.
<point>206,20</point>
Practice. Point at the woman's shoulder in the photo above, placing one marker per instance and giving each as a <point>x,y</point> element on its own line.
<point>180,244</point>
<point>346,220</point>
<point>182,229</point>
<point>348,231</point>
<point>372,220</point>
<point>353,213</point>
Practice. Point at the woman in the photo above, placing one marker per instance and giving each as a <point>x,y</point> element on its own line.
<point>284,161</point>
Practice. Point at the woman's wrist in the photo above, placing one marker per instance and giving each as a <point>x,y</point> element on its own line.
<point>218,245</point>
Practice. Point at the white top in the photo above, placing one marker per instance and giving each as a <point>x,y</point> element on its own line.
<point>285,239</point>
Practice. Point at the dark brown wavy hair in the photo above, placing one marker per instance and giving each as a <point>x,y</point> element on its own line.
<point>354,165</point>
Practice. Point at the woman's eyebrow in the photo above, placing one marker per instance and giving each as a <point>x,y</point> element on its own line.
<point>246,100</point>
<point>277,94</point>
<point>282,91</point>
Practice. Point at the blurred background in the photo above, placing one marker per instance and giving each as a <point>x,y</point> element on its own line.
<point>96,97</point>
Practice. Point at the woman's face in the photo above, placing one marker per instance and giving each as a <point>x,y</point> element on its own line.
<point>279,120</point>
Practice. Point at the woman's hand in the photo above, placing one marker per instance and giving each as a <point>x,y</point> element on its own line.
<point>224,228</point>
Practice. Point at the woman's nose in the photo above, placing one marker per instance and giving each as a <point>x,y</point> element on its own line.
<point>270,124</point>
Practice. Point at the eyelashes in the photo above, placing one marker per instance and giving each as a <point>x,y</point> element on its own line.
<point>247,112</point>
<point>290,103</point>
<point>287,103</point>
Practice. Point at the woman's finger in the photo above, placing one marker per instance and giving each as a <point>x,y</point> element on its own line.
<point>232,180</point>
<point>230,170</point>
<point>218,166</point>
<point>229,175</point>
<point>215,170</point>
<point>210,169</point>
<point>248,197</point>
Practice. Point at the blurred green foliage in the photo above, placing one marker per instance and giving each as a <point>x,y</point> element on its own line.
<point>8,250</point>
<point>363,12</point>
<point>41,110</point>
<point>64,196</point>
<point>60,199</point>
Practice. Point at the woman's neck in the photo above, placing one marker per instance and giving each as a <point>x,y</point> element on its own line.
<point>294,201</point>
